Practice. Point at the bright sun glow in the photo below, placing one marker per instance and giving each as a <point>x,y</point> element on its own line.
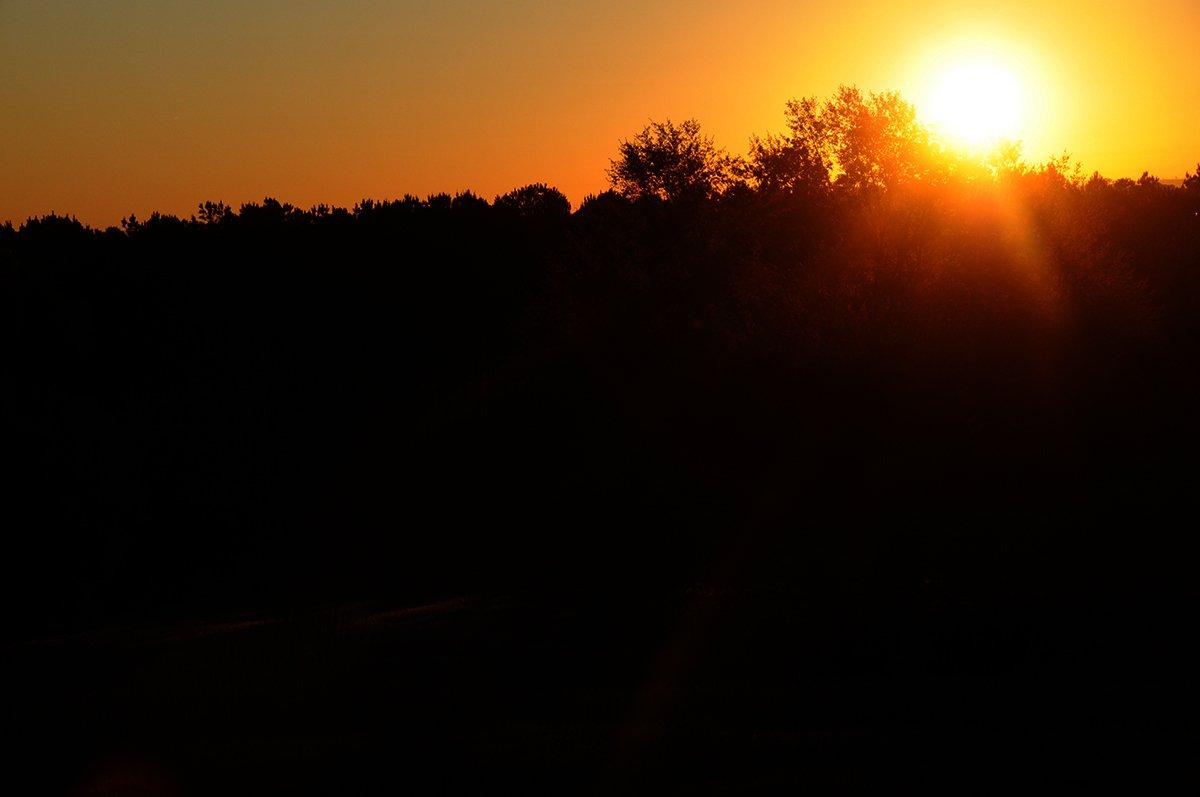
<point>977,105</point>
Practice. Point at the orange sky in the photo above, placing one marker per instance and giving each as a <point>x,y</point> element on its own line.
<point>119,106</point>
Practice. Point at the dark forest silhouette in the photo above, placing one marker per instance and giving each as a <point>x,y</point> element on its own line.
<point>850,367</point>
<point>426,395</point>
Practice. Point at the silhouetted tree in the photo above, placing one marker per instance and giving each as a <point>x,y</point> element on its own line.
<point>1191,187</point>
<point>469,202</point>
<point>1191,182</point>
<point>875,141</point>
<point>599,203</point>
<point>213,212</point>
<point>798,161</point>
<point>535,201</point>
<point>1005,161</point>
<point>439,202</point>
<point>672,162</point>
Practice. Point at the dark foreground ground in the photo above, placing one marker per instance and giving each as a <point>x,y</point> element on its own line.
<point>705,691</point>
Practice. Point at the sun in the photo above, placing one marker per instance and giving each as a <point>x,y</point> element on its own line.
<point>976,105</point>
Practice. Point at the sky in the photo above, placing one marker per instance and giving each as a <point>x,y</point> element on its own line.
<point>112,107</point>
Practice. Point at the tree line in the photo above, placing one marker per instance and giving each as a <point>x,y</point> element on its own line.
<point>849,360</point>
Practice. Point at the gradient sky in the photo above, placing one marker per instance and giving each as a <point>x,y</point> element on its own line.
<point>119,106</point>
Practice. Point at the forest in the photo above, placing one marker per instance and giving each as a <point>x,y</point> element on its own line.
<point>851,456</point>
<point>848,361</point>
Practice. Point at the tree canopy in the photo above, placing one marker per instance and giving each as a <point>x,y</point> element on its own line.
<point>671,162</point>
